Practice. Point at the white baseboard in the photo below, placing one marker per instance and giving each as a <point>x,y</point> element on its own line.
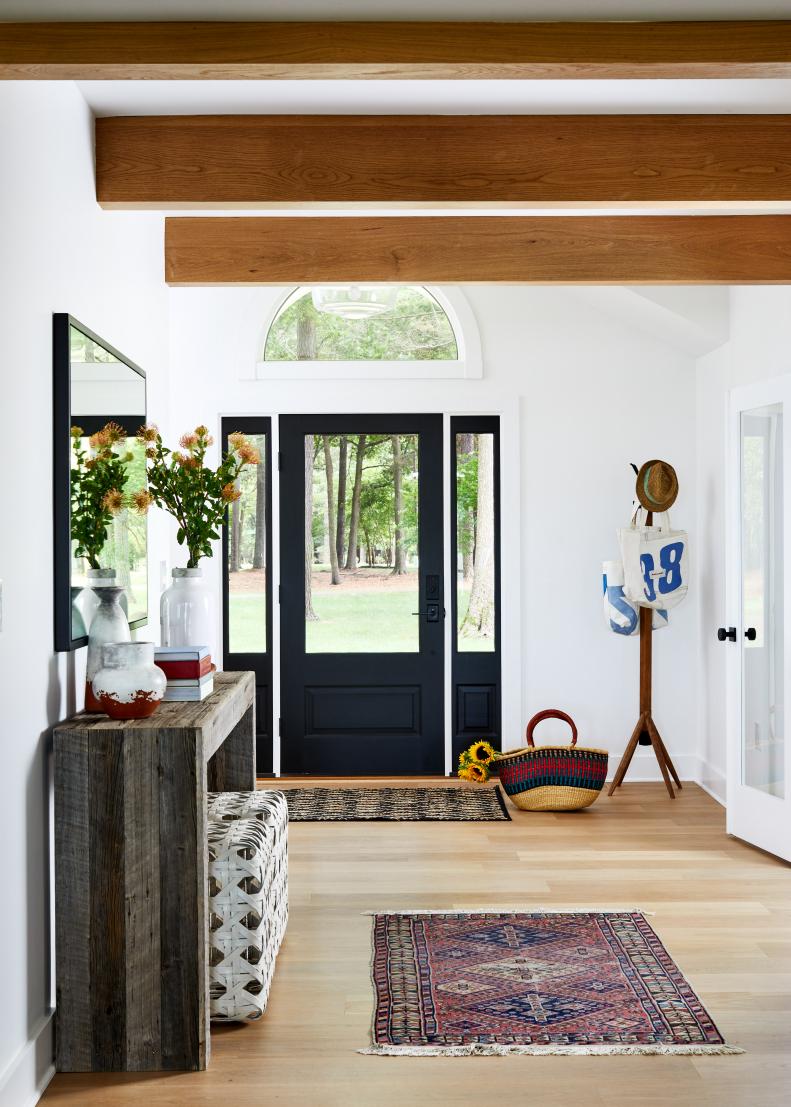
<point>644,766</point>
<point>712,781</point>
<point>26,1077</point>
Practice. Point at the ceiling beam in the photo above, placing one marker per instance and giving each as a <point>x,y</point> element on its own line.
<point>252,159</point>
<point>512,249</point>
<point>430,50</point>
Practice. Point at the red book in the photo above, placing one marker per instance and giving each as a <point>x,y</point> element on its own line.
<point>186,670</point>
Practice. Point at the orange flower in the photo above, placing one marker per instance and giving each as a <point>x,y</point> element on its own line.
<point>248,454</point>
<point>114,433</point>
<point>188,441</point>
<point>113,501</point>
<point>99,440</point>
<point>148,432</point>
<point>186,461</point>
<point>142,500</point>
<point>151,452</point>
<point>230,492</point>
<point>237,439</point>
<point>201,431</point>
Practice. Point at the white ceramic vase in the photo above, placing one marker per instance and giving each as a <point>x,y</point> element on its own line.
<point>129,685</point>
<point>186,611</point>
<point>108,623</point>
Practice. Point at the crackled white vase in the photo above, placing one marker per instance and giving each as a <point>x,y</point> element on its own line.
<point>129,685</point>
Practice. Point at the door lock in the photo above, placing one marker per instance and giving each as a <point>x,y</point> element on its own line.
<point>729,634</point>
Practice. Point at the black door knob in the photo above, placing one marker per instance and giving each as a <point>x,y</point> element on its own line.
<point>751,634</point>
<point>729,634</point>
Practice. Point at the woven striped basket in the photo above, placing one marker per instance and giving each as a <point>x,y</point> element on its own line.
<point>552,778</point>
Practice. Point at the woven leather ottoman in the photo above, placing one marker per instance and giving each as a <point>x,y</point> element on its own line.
<point>248,908</point>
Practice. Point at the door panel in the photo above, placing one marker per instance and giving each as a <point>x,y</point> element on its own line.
<point>362,604</point>
<point>758,795</point>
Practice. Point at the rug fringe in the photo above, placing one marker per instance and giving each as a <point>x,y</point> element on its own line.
<point>703,1050</point>
<point>522,910</point>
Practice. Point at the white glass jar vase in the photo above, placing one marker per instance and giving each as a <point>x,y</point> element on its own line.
<point>129,685</point>
<point>186,611</point>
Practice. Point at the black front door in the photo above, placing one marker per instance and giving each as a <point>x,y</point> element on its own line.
<point>362,594</point>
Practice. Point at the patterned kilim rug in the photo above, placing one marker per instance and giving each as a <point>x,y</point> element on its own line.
<point>461,805</point>
<point>537,982</point>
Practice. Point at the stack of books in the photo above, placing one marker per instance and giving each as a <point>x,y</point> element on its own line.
<point>189,671</point>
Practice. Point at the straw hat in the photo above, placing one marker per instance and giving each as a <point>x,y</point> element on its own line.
<point>657,485</point>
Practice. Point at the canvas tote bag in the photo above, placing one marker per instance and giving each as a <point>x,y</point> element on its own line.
<point>623,617</point>
<point>655,563</point>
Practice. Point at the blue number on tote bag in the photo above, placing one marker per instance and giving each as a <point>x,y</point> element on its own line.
<point>670,561</point>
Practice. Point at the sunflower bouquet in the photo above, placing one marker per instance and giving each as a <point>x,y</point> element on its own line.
<point>475,762</point>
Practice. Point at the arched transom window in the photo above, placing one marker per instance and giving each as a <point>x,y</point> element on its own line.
<point>388,327</point>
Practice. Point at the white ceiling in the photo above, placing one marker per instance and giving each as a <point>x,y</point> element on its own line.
<point>435,97</point>
<point>394,9</point>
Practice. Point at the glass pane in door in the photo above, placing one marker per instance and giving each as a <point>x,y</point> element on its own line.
<point>475,543</point>
<point>361,543</point>
<point>247,558</point>
<point>763,735</point>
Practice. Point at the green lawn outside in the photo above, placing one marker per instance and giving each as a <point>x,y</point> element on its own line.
<point>349,622</point>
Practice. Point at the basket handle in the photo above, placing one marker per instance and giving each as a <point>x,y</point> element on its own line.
<point>550,713</point>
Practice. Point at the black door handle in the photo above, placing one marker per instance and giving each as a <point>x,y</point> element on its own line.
<point>751,634</point>
<point>730,634</point>
<point>431,613</point>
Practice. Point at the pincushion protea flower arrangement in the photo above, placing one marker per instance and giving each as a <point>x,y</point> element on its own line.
<point>189,490</point>
<point>475,762</point>
<point>98,479</point>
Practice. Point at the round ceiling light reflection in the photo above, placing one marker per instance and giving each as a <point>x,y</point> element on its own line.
<point>355,301</point>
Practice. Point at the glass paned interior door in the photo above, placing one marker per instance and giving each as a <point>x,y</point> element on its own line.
<point>762,589</point>
<point>247,568</point>
<point>361,543</point>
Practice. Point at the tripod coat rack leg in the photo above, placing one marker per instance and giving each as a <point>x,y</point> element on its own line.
<point>645,732</point>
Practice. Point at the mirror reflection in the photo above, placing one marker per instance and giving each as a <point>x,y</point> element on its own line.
<point>108,537</point>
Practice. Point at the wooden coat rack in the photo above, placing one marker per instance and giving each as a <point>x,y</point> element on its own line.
<point>645,732</point>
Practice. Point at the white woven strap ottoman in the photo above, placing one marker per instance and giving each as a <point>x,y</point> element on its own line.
<point>248,905</point>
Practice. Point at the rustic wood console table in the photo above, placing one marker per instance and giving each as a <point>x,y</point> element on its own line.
<point>131,867</point>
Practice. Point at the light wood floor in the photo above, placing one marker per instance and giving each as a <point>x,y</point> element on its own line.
<point>722,908</point>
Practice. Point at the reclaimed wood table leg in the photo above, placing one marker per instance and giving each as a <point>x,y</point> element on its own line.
<point>132,902</point>
<point>232,769</point>
<point>184,902</point>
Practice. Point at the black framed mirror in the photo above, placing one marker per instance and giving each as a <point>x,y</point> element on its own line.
<point>95,385</point>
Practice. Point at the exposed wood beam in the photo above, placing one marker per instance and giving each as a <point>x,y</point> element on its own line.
<point>569,250</point>
<point>432,50</point>
<point>249,159</point>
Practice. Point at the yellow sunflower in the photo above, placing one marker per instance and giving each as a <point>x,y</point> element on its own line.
<point>482,752</point>
<point>478,773</point>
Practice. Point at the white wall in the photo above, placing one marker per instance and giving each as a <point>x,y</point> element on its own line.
<point>58,252</point>
<point>759,349</point>
<point>591,394</point>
